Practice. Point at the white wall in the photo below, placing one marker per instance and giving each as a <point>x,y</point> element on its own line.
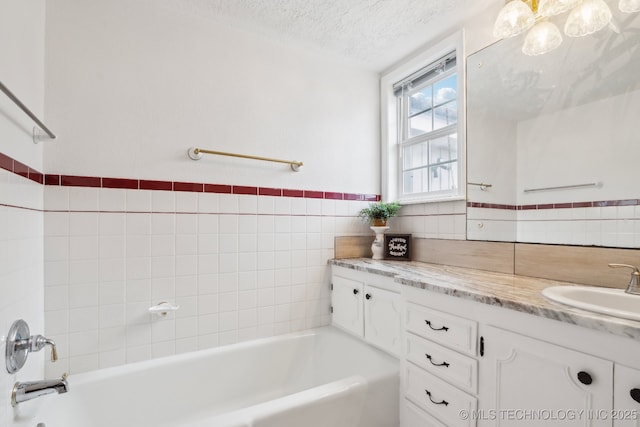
<point>21,243</point>
<point>131,86</point>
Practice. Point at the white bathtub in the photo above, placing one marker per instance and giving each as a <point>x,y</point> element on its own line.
<point>317,378</point>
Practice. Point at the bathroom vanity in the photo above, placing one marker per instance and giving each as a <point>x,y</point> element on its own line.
<point>487,349</point>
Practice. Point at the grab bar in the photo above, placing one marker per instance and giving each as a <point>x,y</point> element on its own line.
<point>562,187</point>
<point>28,112</point>
<point>196,154</point>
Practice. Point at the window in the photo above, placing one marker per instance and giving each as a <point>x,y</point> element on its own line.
<point>424,132</point>
<point>428,129</point>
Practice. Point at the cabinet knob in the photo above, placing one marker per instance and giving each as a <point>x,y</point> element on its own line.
<point>585,378</point>
<point>367,296</point>
<point>356,292</point>
<point>635,394</point>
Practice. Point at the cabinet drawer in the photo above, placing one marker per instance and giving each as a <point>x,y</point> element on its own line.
<point>447,364</point>
<point>412,416</point>
<point>451,331</point>
<point>438,398</point>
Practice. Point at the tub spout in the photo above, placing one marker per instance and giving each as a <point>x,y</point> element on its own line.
<point>23,391</point>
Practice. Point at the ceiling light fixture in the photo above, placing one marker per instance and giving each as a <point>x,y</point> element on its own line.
<point>585,17</point>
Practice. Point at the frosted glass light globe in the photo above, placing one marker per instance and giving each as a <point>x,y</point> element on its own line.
<point>587,18</point>
<point>514,18</point>
<point>629,6</point>
<point>555,7</point>
<point>542,38</point>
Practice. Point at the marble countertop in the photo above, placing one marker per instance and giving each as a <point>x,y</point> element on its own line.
<point>520,293</point>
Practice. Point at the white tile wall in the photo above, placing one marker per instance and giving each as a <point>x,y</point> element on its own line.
<point>613,226</point>
<point>240,267</point>
<point>21,274</point>
<point>443,220</point>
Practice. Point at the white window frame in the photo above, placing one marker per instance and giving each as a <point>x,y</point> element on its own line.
<point>390,156</point>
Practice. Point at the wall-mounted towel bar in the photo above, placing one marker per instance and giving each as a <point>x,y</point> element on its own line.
<point>563,187</point>
<point>196,154</point>
<point>482,185</point>
<point>36,133</point>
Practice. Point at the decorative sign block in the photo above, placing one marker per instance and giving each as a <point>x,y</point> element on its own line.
<point>397,246</point>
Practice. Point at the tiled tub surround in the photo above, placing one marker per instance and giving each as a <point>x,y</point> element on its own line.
<point>239,265</point>
<point>21,270</point>
<point>509,291</point>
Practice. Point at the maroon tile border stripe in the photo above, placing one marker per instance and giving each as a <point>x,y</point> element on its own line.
<point>132,184</point>
<point>567,205</point>
<point>241,189</point>
<point>9,164</point>
<point>80,181</point>
<point>145,184</point>
<point>217,188</point>
<point>262,191</point>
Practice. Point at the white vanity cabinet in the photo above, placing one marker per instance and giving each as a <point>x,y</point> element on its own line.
<point>509,368</point>
<point>626,396</point>
<point>367,305</point>
<point>526,381</point>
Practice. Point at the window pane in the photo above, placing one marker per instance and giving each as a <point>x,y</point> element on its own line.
<point>421,101</point>
<point>445,115</point>
<point>412,181</point>
<point>415,156</point>
<point>445,90</point>
<point>422,123</point>
<point>443,177</point>
<point>443,149</point>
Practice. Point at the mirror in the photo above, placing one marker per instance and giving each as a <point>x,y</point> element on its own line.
<point>554,139</point>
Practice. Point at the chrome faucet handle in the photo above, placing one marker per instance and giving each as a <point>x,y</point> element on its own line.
<point>38,342</point>
<point>20,342</point>
<point>634,283</point>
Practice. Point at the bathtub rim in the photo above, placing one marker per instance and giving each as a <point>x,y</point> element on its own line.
<point>112,372</point>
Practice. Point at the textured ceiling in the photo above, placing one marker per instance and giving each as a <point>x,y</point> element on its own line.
<point>374,33</point>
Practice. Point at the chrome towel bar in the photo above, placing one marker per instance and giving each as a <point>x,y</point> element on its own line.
<point>563,187</point>
<point>27,111</point>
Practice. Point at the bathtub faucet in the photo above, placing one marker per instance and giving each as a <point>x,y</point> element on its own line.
<point>32,389</point>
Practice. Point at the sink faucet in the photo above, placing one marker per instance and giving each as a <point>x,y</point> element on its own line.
<point>23,391</point>
<point>634,283</point>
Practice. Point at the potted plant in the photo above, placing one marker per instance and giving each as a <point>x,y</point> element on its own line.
<point>378,213</point>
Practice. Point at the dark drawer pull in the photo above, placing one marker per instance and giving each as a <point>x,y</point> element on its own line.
<point>367,296</point>
<point>356,292</point>
<point>445,364</point>
<point>444,328</point>
<point>442,402</point>
<point>635,394</point>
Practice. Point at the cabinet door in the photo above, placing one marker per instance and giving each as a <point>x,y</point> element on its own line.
<point>626,397</point>
<point>527,382</point>
<point>346,300</point>
<point>382,325</point>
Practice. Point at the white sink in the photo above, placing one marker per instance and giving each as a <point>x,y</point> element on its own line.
<point>613,302</point>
